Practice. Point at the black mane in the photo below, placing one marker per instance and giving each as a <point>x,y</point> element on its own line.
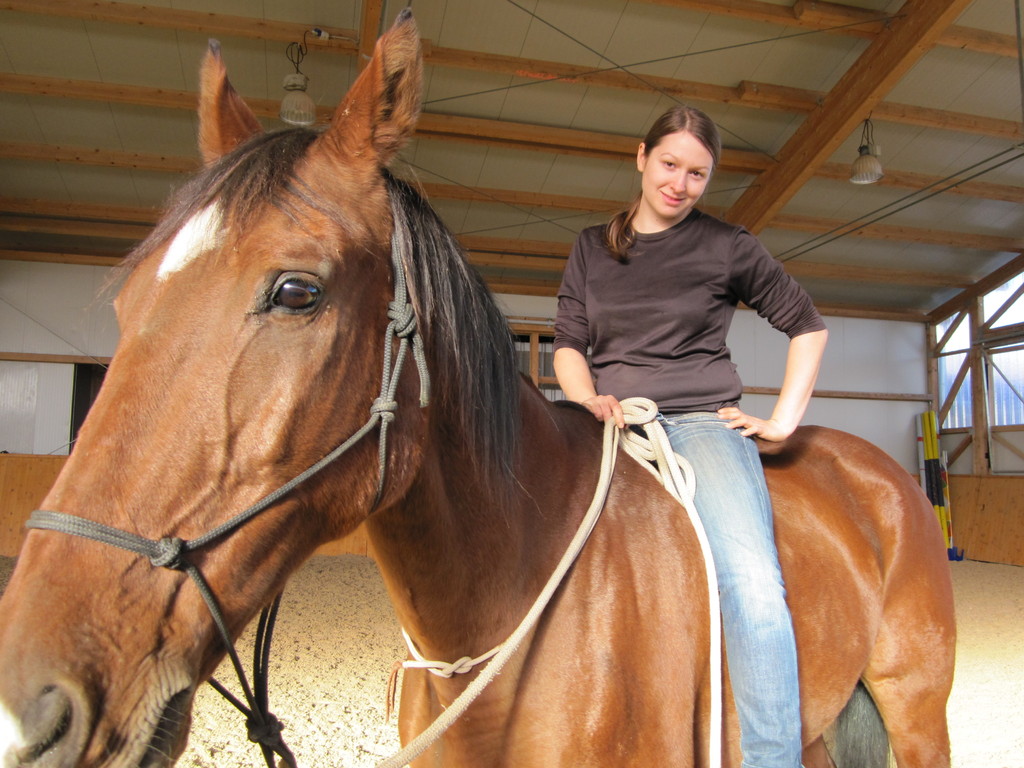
<point>468,343</point>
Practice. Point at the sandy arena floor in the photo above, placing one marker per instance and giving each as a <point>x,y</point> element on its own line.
<point>337,639</point>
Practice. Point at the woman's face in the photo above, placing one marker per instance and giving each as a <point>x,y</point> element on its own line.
<point>674,174</point>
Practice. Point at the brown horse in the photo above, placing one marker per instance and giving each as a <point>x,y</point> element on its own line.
<point>251,346</point>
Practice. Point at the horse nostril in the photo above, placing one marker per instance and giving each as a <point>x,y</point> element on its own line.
<point>46,723</point>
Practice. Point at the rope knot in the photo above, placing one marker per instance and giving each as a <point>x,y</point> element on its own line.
<point>404,318</point>
<point>385,409</point>
<point>266,731</point>
<point>168,553</point>
<point>457,667</point>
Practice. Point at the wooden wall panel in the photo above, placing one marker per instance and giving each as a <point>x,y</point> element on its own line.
<point>988,517</point>
<point>25,480</point>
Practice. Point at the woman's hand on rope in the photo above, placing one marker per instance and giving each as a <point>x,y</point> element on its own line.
<point>605,407</point>
<point>751,426</point>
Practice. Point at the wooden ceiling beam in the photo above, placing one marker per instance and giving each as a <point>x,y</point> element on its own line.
<point>515,198</point>
<point>64,209</point>
<point>901,234</point>
<point>533,287</point>
<point>60,257</point>
<point>847,273</point>
<point>835,18</point>
<point>207,24</point>
<point>991,281</point>
<point>553,251</point>
<point>831,171</point>
<point>74,227</point>
<point>854,97</point>
<point>370,25</point>
<point>54,153</point>
<point>919,181</point>
<point>554,264</point>
<point>864,312</point>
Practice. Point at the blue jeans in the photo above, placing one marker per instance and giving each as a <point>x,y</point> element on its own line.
<point>732,502</point>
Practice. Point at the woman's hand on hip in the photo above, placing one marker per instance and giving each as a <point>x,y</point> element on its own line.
<point>751,426</point>
<point>605,407</point>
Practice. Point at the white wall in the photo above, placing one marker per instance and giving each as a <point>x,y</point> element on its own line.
<point>53,309</point>
<point>870,356</point>
<point>35,407</point>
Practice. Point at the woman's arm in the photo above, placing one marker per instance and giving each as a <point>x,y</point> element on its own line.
<point>802,363</point>
<point>574,378</point>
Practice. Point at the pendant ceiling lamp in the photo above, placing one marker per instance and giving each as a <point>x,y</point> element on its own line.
<point>297,106</point>
<point>867,168</point>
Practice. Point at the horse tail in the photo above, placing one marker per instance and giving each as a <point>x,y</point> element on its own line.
<point>861,740</point>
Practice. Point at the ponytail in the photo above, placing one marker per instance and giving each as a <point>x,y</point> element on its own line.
<point>618,233</point>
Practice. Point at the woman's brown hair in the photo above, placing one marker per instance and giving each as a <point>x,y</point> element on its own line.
<point>618,234</point>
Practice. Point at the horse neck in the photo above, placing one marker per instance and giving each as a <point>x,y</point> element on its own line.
<point>461,565</point>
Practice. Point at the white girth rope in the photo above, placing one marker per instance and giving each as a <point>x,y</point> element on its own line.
<point>676,475</point>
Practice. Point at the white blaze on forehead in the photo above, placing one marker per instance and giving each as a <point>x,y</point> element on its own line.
<point>11,738</point>
<point>200,234</point>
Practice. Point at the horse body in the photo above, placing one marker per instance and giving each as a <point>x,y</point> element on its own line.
<point>250,348</point>
<point>617,672</point>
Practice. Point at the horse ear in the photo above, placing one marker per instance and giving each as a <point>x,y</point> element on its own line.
<point>381,109</point>
<point>225,120</point>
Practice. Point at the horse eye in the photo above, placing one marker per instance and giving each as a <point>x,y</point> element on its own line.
<point>295,293</point>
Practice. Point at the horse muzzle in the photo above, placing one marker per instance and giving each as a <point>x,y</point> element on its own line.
<point>48,728</point>
<point>59,727</point>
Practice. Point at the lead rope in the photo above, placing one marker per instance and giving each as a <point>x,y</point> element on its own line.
<point>676,475</point>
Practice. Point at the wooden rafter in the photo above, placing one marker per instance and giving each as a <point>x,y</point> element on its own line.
<point>212,24</point>
<point>993,280</point>
<point>954,388</point>
<point>995,316</point>
<point>369,29</point>
<point>60,257</point>
<point>834,18</point>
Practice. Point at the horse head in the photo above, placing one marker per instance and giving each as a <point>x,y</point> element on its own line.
<point>252,344</point>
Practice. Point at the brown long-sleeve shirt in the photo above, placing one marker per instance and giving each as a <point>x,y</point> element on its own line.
<point>656,326</point>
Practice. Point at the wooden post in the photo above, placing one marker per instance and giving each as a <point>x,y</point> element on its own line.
<point>982,464</point>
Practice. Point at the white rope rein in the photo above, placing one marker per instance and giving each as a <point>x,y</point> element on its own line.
<point>654,454</point>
